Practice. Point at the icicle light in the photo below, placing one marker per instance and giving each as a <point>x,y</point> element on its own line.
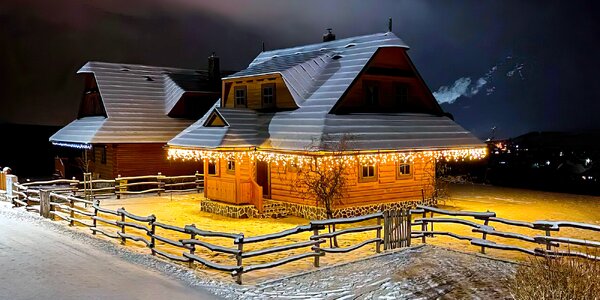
<point>348,157</point>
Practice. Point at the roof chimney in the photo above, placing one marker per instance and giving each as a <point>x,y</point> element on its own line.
<point>214,72</point>
<point>328,36</point>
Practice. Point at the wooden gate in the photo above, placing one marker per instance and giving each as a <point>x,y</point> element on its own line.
<point>396,229</point>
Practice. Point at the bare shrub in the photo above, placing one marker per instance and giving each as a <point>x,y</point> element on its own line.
<point>557,278</point>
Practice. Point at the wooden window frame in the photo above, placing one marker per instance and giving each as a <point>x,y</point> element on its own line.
<point>404,176</point>
<point>366,85</point>
<point>231,166</point>
<point>401,100</point>
<point>216,164</point>
<point>262,95</point>
<point>103,155</point>
<point>362,178</point>
<point>235,97</point>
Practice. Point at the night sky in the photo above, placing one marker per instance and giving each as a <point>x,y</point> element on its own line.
<point>518,65</point>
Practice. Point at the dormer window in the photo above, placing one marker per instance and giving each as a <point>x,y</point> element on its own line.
<point>371,93</point>
<point>240,94</point>
<point>268,95</point>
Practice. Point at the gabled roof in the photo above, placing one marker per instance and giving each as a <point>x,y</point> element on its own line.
<point>136,99</point>
<point>243,129</point>
<point>317,76</point>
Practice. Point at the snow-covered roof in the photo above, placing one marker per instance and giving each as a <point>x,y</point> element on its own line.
<point>136,99</point>
<point>317,76</point>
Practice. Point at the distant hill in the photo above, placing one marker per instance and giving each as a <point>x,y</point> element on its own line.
<point>26,149</point>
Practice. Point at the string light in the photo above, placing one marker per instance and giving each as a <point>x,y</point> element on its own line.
<point>73,145</point>
<point>327,158</point>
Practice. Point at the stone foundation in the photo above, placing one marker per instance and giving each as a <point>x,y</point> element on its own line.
<point>278,209</point>
<point>228,210</point>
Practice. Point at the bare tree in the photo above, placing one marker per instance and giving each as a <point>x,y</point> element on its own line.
<point>324,177</point>
<point>434,185</point>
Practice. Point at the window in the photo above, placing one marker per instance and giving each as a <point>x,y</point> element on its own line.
<point>93,154</point>
<point>401,95</point>
<point>231,166</point>
<point>213,168</point>
<point>368,172</point>
<point>103,158</point>
<point>240,96</point>
<point>371,94</point>
<point>268,95</point>
<point>403,171</point>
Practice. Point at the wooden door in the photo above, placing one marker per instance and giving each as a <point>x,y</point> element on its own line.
<point>263,177</point>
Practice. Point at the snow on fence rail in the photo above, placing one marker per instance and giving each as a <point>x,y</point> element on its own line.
<point>550,242</point>
<point>120,186</point>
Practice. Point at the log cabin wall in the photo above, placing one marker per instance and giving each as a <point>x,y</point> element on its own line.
<point>137,160</point>
<point>102,161</point>
<point>253,86</point>
<point>385,188</point>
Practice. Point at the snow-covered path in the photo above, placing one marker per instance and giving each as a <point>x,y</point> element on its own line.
<point>39,262</point>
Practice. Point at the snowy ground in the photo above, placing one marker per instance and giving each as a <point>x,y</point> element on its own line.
<point>40,259</point>
<point>44,259</point>
<point>423,272</point>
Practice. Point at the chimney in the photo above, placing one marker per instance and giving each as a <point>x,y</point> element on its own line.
<point>214,72</point>
<point>328,36</point>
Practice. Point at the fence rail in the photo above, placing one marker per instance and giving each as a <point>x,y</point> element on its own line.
<point>548,242</point>
<point>132,185</point>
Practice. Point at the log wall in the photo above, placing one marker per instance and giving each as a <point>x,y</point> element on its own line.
<point>135,159</point>
<point>283,98</point>
<point>386,188</point>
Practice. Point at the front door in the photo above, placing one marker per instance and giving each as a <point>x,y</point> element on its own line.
<point>263,177</point>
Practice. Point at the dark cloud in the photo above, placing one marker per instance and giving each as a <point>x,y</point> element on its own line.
<point>43,43</point>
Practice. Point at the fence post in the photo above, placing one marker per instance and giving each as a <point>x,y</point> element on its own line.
<point>74,187</point>
<point>548,244</point>
<point>71,212</point>
<point>122,213</point>
<point>378,243</point>
<point>94,224</point>
<point>408,226</point>
<point>424,226</point>
<point>238,258</point>
<point>152,232</point>
<point>386,229</point>
<point>316,247</point>
<point>484,236</point>
<point>159,182</point>
<point>197,181</point>
<point>45,204</point>
<point>192,247</point>
<point>118,186</point>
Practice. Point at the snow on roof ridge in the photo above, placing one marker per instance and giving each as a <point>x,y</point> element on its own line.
<point>348,39</point>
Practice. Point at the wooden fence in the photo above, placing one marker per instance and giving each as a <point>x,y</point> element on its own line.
<point>123,225</point>
<point>120,186</point>
<point>548,242</point>
<point>395,232</point>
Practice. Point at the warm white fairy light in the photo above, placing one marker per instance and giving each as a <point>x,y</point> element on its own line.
<point>328,158</point>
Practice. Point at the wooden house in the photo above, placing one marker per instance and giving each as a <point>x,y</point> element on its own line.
<point>129,112</point>
<point>290,106</point>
